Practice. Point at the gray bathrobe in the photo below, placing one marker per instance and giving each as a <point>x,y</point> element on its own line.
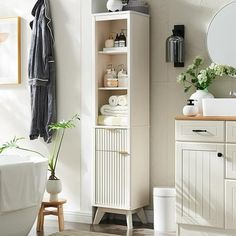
<point>41,73</point>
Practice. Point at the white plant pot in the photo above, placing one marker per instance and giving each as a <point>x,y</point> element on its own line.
<point>115,5</point>
<point>54,187</point>
<point>198,96</point>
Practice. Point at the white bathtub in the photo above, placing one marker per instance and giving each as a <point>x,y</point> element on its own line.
<point>20,222</point>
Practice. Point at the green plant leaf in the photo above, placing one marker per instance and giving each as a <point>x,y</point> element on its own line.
<point>64,124</point>
<point>10,144</point>
<point>59,127</point>
<point>186,89</point>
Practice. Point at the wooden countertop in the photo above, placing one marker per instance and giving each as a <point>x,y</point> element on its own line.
<point>229,118</point>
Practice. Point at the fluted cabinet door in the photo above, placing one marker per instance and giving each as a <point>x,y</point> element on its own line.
<point>200,184</point>
<point>112,168</point>
<point>112,179</point>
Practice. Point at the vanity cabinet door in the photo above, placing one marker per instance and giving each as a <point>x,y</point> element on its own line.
<point>230,204</point>
<point>200,184</point>
<point>230,161</point>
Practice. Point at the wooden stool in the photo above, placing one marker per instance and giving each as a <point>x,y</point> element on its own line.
<point>58,212</point>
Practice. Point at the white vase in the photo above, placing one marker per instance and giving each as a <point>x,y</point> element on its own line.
<point>53,187</point>
<point>115,5</point>
<point>198,96</point>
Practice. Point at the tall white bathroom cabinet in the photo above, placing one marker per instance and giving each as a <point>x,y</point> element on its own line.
<point>121,153</point>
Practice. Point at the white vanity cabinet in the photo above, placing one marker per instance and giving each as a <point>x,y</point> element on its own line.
<point>200,184</point>
<point>206,176</point>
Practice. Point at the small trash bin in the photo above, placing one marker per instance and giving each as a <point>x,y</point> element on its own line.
<point>164,209</point>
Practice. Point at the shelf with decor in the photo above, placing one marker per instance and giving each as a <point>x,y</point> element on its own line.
<point>121,115</point>
<point>114,51</point>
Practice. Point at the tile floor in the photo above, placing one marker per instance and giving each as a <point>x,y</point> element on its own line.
<point>114,228</point>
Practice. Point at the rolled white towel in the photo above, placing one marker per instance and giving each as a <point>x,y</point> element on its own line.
<point>122,100</point>
<point>113,100</point>
<point>108,110</point>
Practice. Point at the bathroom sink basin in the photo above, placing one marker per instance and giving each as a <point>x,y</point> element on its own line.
<point>219,106</point>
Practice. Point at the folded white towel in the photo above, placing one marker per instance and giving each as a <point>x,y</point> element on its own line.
<point>17,186</point>
<point>113,120</point>
<point>113,100</point>
<point>108,110</point>
<point>122,100</point>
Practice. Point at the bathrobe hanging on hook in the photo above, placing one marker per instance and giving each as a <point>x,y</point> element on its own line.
<point>41,72</point>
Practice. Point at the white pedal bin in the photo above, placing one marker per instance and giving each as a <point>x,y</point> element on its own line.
<point>164,209</point>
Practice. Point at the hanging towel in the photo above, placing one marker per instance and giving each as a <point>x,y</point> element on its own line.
<point>17,186</point>
<point>41,73</point>
<point>122,100</point>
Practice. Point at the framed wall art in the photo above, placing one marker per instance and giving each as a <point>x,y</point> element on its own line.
<point>10,50</point>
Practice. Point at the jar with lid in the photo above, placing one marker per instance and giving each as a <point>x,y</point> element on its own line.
<point>109,43</point>
<point>110,79</point>
<point>122,76</point>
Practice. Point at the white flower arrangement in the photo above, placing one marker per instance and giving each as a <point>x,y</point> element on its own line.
<point>201,79</point>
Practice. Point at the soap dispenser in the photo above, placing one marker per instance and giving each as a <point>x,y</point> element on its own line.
<point>190,109</point>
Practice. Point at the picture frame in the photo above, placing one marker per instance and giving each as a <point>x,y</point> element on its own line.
<point>10,50</point>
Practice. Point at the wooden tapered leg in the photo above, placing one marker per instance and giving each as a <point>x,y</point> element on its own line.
<point>60,217</point>
<point>40,221</point>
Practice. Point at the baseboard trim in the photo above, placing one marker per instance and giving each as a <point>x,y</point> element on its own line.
<point>86,217</point>
<point>81,217</point>
<point>78,217</point>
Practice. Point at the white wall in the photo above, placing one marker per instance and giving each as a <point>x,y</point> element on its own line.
<point>15,100</point>
<point>99,6</point>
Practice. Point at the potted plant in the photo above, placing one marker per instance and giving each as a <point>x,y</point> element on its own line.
<point>54,183</point>
<point>201,79</point>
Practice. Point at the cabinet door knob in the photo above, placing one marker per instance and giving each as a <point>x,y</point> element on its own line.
<point>219,154</point>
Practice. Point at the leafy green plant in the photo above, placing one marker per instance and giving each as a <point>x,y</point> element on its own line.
<point>202,78</point>
<point>59,129</point>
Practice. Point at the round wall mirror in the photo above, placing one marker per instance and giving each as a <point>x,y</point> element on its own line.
<point>221,36</point>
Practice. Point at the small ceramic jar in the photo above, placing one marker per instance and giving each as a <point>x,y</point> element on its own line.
<point>109,43</point>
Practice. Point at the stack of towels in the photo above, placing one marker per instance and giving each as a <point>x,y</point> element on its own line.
<point>114,113</point>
